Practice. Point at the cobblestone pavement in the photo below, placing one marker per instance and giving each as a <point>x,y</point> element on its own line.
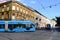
<point>38,35</point>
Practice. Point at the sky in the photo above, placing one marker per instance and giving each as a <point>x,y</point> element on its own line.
<point>49,8</point>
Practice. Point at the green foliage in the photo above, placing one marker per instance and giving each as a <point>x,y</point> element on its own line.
<point>58,21</point>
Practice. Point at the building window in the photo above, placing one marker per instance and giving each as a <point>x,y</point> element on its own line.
<point>13,7</point>
<point>18,8</point>
<point>23,11</point>
<point>2,13</point>
<point>39,19</point>
<point>26,12</point>
<point>13,16</point>
<point>3,10</point>
<point>36,18</point>
<point>7,8</point>
<point>4,5</point>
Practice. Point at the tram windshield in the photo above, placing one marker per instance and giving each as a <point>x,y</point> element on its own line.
<point>30,25</point>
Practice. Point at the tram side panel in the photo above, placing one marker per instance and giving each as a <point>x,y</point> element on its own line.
<point>20,26</point>
<point>14,26</point>
<point>17,26</point>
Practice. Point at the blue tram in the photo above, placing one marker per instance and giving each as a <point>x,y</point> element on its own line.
<point>17,26</point>
<point>21,26</point>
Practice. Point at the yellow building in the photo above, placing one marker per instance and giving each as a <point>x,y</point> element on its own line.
<point>14,10</point>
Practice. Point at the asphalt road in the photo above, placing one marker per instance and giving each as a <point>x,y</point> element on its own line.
<point>38,35</point>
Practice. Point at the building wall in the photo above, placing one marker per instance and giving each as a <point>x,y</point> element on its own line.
<point>21,12</point>
<point>5,11</point>
<point>53,23</point>
<point>17,11</point>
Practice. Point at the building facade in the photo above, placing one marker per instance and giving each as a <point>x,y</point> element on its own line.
<point>53,23</point>
<point>14,10</point>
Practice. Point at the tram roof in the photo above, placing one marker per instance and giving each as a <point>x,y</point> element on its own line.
<point>20,22</point>
<point>16,22</point>
<point>2,22</point>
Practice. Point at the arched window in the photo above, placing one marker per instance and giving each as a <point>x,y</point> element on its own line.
<point>13,7</point>
<point>39,19</point>
<point>36,18</point>
<point>13,16</point>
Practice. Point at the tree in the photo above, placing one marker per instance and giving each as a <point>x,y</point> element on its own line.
<point>54,19</point>
<point>58,21</point>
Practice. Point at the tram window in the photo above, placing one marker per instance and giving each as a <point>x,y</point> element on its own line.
<point>2,26</point>
<point>32,25</point>
<point>19,25</point>
<point>27,25</point>
<point>15,25</point>
<point>23,25</point>
<point>12,26</point>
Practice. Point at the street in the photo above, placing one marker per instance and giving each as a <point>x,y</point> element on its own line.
<point>38,35</point>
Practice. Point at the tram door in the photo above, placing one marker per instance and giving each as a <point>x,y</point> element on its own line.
<point>6,25</point>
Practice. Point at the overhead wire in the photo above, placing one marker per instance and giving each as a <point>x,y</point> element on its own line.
<point>39,1</point>
<point>50,6</point>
